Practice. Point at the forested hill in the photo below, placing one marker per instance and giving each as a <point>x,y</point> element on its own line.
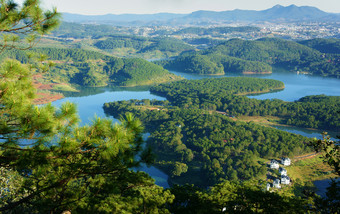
<point>328,46</point>
<point>90,68</point>
<point>196,144</point>
<point>217,87</point>
<point>72,54</point>
<point>257,56</point>
<point>121,41</point>
<point>198,137</point>
<point>144,44</point>
<point>220,94</point>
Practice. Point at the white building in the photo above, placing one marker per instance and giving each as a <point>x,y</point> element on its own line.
<point>274,164</point>
<point>285,161</point>
<point>276,183</point>
<point>285,180</point>
<point>282,171</point>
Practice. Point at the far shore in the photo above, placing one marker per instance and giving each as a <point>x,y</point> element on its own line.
<point>253,72</point>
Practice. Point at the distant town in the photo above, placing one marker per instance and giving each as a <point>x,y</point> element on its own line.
<point>293,31</point>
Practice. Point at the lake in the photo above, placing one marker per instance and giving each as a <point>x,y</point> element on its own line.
<point>296,85</point>
<point>91,100</point>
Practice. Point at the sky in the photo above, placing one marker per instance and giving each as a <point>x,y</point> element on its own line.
<point>100,7</point>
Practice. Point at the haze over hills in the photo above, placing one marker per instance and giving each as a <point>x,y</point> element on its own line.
<point>277,13</point>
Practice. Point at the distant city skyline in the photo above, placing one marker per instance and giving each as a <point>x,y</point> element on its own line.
<point>100,7</point>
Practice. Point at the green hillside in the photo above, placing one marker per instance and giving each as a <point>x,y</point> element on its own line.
<point>90,68</point>
<point>257,56</point>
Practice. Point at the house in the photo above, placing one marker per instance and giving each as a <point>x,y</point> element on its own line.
<point>268,186</point>
<point>274,164</point>
<point>282,171</point>
<point>276,183</point>
<point>285,161</point>
<point>285,180</point>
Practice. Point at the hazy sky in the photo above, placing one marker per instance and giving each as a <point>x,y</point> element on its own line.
<point>96,7</point>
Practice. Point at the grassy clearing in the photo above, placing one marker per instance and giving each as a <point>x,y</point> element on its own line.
<point>305,170</point>
<point>262,92</point>
<point>64,87</point>
<point>265,121</point>
<point>311,169</point>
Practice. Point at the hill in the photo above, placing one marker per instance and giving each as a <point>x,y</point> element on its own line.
<point>257,56</point>
<point>277,13</point>
<point>329,46</point>
<point>90,68</point>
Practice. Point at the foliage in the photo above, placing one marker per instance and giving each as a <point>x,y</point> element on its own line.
<point>212,146</point>
<point>329,46</point>
<point>61,163</point>
<point>143,45</point>
<point>79,31</point>
<point>195,64</point>
<point>10,184</point>
<point>59,166</point>
<point>214,64</point>
<point>317,111</point>
<point>234,197</point>
<point>21,26</point>
<point>257,56</point>
<point>90,68</point>
<point>167,45</point>
<point>330,151</point>
<point>122,41</point>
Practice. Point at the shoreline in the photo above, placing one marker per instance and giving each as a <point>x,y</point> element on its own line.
<point>44,98</point>
<point>261,92</point>
<point>253,72</point>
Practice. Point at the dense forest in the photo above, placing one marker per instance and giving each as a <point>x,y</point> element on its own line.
<point>80,31</point>
<point>186,128</point>
<point>51,164</point>
<point>236,55</point>
<point>328,46</point>
<point>90,68</point>
<point>191,62</point>
<point>70,54</point>
<point>193,140</point>
<point>195,146</point>
<point>194,133</point>
<point>170,46</point>
<point>220,94</point>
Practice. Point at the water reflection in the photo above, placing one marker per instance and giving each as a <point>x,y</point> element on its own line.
<point>87,91</point>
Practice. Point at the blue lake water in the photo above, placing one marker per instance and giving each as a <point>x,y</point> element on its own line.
<point>323,185</point>
<point>91,100</point>
<point>296,85</point>
<point>90,106</point>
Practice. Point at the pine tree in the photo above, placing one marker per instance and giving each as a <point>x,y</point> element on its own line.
<point>22,26</point>
<point>47,162</point>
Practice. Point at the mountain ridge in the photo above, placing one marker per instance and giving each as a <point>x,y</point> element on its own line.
<point>277,13</point>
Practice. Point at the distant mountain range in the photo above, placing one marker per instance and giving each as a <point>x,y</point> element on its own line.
<point>277,13</point>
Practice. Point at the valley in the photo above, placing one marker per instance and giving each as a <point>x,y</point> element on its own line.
<point>169,113</point>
